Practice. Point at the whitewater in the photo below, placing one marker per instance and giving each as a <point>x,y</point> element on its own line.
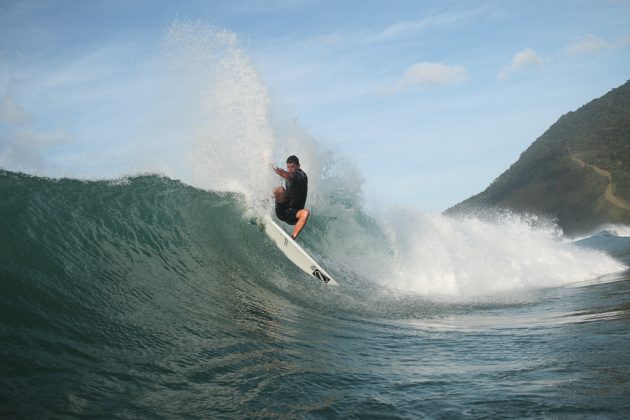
<point>150,294</point>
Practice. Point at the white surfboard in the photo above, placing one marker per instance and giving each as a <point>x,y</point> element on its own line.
<point>294,252</point>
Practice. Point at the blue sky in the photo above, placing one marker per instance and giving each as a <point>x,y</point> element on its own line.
<point>431,100</point>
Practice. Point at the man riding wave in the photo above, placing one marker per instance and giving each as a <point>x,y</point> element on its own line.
<point>291,198</point>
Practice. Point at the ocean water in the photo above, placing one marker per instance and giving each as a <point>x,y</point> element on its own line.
<point>144,297</point>
<point>153,296</point>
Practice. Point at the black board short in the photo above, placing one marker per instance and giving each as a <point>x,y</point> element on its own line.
<point>285,213</point>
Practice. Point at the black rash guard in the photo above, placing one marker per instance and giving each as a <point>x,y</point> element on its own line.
<point>296,188</point>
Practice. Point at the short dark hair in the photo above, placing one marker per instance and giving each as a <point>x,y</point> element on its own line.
<point>293,159</point>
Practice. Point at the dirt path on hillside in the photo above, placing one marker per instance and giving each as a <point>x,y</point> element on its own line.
<point>609,195</point>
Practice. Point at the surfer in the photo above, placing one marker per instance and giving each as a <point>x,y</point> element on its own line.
<point>291,198</point>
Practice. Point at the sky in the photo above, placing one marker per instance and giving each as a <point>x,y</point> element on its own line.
<point>431,100</point>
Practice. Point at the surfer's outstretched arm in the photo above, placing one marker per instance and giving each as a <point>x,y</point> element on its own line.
<point>302,216</point>
<point>281,172</point>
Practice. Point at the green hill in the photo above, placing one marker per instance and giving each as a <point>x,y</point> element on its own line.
<point>577,172</point>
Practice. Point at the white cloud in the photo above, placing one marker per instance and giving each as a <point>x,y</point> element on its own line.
<point>11,113</point>
<point>330,39</point>
<point>42,139</point>
<point>521,60</point>
<point>400,28</point>
<point>26,150</point>
<point>409,27</point>
<point>426,74</point>
<point>587,44</point>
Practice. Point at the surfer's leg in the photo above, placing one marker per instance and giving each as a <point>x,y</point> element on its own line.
<point>281,211</point>
<point>280,194</point>
<point>302,216</point>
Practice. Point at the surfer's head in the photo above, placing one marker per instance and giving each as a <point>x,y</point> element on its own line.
<point>293,163</point>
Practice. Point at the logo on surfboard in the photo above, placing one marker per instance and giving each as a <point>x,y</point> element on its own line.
<point>318,274</point>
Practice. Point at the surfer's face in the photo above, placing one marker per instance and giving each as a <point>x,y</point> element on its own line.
<point>292,167</point>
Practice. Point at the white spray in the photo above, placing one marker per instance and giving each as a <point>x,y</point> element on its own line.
<point>469,258</point>
<point>219,111</point>
<point>225,110</point>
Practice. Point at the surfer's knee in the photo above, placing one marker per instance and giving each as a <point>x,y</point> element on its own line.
<point>280,194</point>
<point>304,213</point>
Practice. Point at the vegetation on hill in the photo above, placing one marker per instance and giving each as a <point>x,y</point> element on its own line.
<point>577,172</point>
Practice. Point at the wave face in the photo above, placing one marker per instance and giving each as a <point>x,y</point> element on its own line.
<point>145,296</point>
<point>99,279</point>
